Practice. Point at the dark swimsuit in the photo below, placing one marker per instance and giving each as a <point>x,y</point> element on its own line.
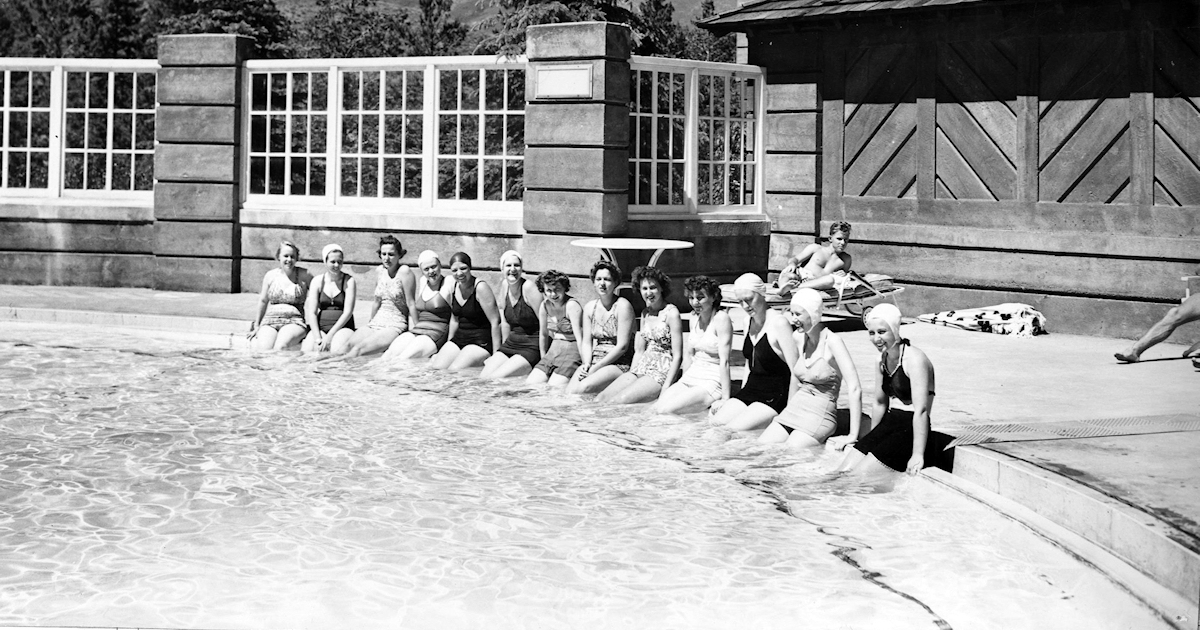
<point>433,317</point>
<point>474,328</point>
<point>329,309</point>
<point>892,439</point>
<point>523,328</point>
<point>769,375</point>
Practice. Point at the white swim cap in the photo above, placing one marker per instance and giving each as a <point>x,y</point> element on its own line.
<point>512,253</point>
<point>329,249</point>
<point>808,301</point>
<point>750,282</point>
<point>888,315</point>
<point>426,257</point>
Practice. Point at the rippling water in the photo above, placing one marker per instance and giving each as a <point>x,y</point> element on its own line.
<point>147,482</point>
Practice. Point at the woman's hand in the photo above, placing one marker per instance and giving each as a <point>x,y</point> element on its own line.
<point>840,442</point>
<point>250,335</point>
<point>325,341</point>
<point>915,463</point>
<point>716,406</point>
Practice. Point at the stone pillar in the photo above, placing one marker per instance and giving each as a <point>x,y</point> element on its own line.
<point>197,162</point>
<point>577,139</point>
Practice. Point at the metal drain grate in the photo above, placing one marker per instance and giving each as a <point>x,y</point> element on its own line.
<point>1072,429</point>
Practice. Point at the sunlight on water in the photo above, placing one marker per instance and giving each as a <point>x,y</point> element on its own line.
<point>145,483</point>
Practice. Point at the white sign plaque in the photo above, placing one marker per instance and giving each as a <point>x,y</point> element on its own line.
<point>574,81</point>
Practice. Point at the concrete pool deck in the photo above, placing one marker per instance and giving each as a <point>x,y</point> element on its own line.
<point>1098,456</point>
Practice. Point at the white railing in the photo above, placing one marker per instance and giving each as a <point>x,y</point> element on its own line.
<point>76,127</point>
<point>694,135</point>
<point>415,133</point>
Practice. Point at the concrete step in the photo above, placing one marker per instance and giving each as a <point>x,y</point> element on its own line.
<point>1154,560</point>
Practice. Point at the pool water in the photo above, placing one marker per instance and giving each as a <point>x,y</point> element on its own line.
<point>150,481</point>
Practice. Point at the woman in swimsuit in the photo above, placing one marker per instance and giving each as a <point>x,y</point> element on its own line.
<point>769,350</point>
<point>657,347</point>
<point>823,364</point>
<point>474,320</point>
<point>705,377</point>
<point>330,320</point>
<point>280,321</point>
<point>432,313</point>
<point>390,314</point>
<point>899,439</point>
<point>607,333</point>
<point>559,318</point>
<point>518,323</point>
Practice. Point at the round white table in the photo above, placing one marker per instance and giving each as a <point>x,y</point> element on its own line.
<point>607,245</point>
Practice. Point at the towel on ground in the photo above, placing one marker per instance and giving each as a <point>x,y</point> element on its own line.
<point>1018,320</point>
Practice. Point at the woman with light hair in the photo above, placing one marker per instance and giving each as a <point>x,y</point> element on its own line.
<point>432,313</point>
<point>329,310</point>
<point>391,311</point>
<point>519,323</point>
<point>770,352</point>
<point>474,320</point>
<point>823,364</point>
<point>899,439</point>
<point>279,324</point>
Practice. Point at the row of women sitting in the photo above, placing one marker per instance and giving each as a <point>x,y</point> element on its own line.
<point>796,366</point>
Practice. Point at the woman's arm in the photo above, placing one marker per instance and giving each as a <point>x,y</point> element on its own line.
<point>487,301</point>
<point>408,282</point>
<point>845,366</point>
<point>310,304</point>
<point>724,347</point>
<point>575,314</point>
<point>675,323</point>
<point>453,329</point>
<point>543,328</point>
<point>263,300</point>
<point>586,342</point>
<point>688,348</point>
<point>920,373</point>
<point>779,333</point>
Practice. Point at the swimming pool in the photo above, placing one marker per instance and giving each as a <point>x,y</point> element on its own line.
<point>152,482</point>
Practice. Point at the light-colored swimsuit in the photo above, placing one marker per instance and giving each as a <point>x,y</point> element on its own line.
<point>285,301</point>
<point>604,339</point>
<point>705,369</point>
<point>655,360</point>
<point>812,408</point>
<point>393,304</point>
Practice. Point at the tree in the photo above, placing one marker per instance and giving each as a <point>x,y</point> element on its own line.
<point>702,44</point>
<point>259,19</point>
<point>656,32</point>
<point>352,28</point>
<point>434,32</point>
<point>48,28</point>
<point>505,31</point>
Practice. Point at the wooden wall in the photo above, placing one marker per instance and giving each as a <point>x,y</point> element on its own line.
<point>1048,157</point>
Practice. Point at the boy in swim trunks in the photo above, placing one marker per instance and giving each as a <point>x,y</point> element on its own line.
<point>819,266</point>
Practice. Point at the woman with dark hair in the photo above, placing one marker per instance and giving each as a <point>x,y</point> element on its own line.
<point>559,318</point>
<point>431,313</point>
<point>391,312</point>
<point>519,324</point>
<point>280,321</point>
<point>657,347</point>
<point>770,352</point>
<point>474,320</point>
<point>330,306</point>
<point>607,347</point>
<point>705,377</point>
